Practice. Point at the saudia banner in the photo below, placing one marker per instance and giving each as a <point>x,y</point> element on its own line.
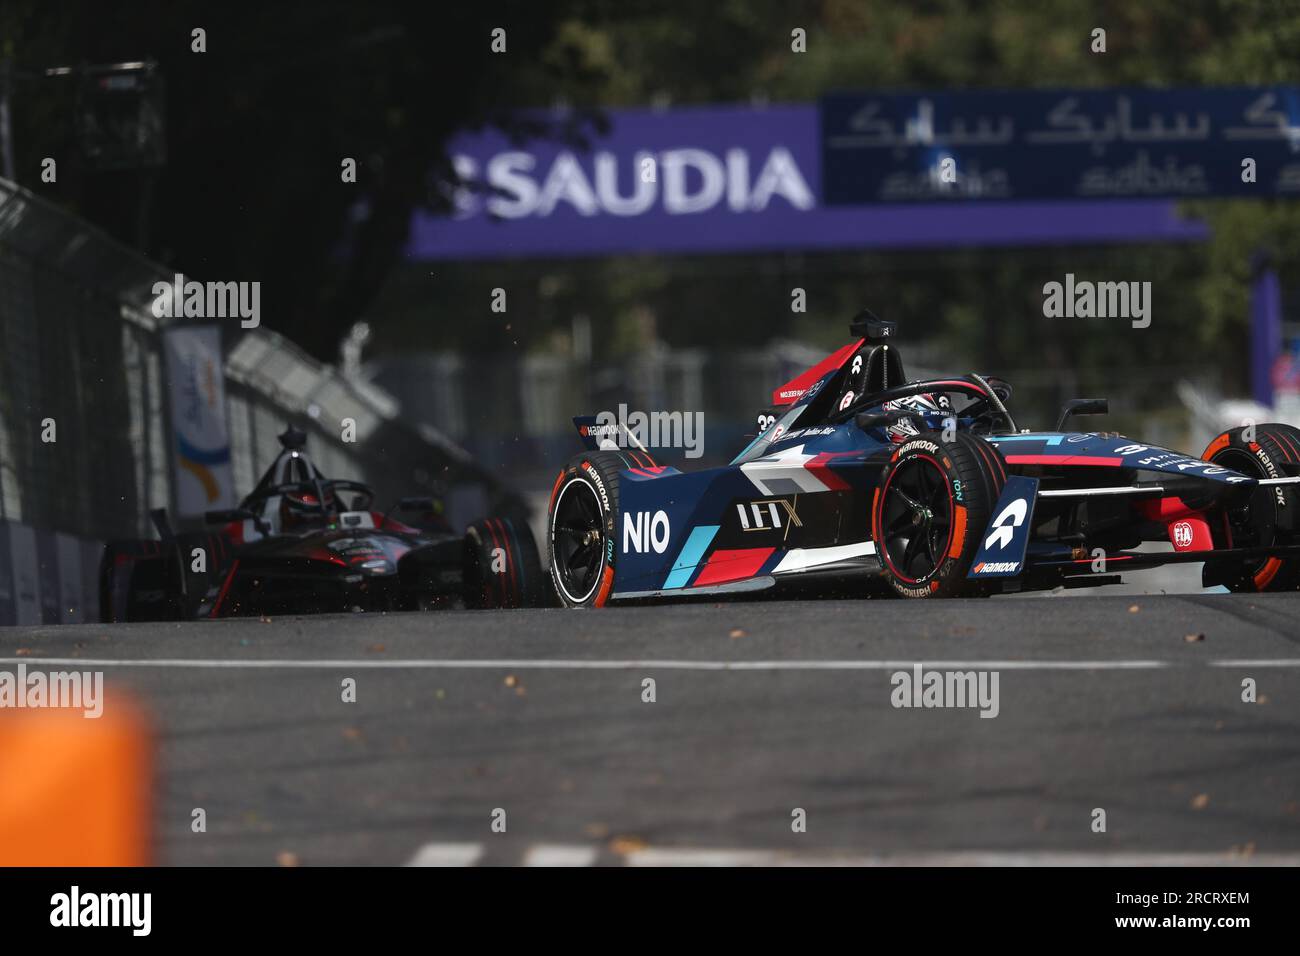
<point>684,179</point>
<point>200,442</point>
<point>748,179</point>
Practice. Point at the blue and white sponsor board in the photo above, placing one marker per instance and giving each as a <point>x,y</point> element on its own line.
<point>1098,144</point>
<point>200,438</point>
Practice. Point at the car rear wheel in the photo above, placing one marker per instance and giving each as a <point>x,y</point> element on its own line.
<point>1270,516</point>
<point>502,567</point>
<point>934,500</point>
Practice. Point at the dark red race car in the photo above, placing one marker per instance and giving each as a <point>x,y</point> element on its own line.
<point>293,546</point>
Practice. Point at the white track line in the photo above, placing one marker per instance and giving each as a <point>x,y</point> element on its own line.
<point>560,664</point>
<point>559,854</point>
<point>447,854</point>
<point>685,856</point>
<point>1276,662</point>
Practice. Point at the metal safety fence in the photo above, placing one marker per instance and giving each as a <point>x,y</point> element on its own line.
<point>88,445</point>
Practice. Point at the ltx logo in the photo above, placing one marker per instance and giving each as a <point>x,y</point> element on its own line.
<point>766,515</point>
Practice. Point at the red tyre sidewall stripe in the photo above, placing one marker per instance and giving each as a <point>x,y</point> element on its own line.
<point>1216,446</point>
<point>606,585</point>
<point>559,480</point>
<point>491,527</point>
<point>1282,438</point>
<point>994,470</point>
<point>225,588</point>
<point>1264,576</point>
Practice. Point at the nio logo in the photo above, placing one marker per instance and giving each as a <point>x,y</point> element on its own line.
<point>765,422</point>
<point>645,532</point>
<point>857,365</point>
<point>1004,525</point>
<point>1182,535</point>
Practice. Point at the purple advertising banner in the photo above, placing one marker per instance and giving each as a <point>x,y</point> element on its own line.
<point>725,180</point>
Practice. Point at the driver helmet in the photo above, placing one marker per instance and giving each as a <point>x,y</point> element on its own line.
<point>297,510</point>
<point>931,407</point>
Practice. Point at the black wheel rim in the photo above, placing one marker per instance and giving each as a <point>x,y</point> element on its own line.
<point>1254,523</point>
<point>578,540</point>
<point>916,519</point>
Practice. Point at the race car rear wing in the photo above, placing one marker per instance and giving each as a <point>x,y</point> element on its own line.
<point>606,436</point>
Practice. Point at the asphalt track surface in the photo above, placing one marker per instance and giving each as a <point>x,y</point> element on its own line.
<point>1130,703</point>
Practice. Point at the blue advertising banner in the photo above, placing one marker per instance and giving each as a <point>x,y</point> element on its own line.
<point>721,180</point>
<point>1060,144</point>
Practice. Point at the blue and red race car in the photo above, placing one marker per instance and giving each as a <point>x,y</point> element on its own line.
<point>927,486</point>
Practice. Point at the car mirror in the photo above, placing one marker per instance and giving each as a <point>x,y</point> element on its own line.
<point>1082,406</point>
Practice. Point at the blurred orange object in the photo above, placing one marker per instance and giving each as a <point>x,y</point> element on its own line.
<point>75,791</point>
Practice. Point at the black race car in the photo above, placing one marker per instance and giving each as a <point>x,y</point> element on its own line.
<point>294,547</point>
